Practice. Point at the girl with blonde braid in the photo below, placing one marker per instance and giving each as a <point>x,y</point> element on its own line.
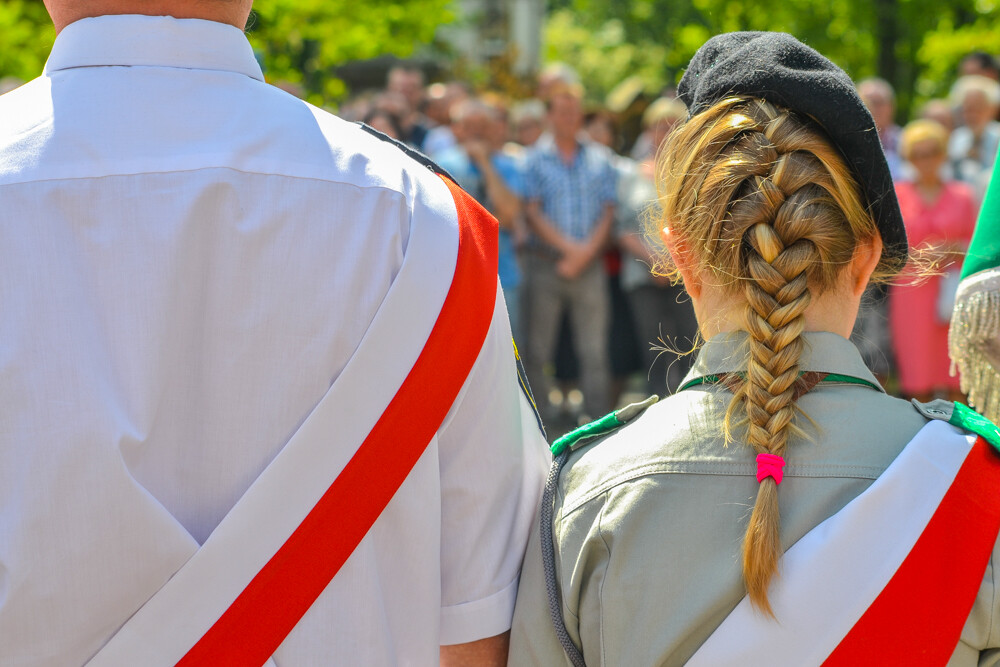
<point>780,509</point>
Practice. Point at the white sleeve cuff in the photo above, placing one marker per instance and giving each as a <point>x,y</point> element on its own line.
<point>479,619</point>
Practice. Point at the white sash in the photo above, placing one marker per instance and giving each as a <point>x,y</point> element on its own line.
<point>184,609</point>
<point>830,577</point>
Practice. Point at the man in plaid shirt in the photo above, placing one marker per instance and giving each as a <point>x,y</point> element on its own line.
<point>570,191</point>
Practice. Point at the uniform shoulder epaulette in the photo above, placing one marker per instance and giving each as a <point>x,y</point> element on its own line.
<point>411,152</point>
<point>596,429</point>
<point>961,416</point>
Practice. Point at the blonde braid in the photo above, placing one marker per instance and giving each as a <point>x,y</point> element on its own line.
<point>775,215</point>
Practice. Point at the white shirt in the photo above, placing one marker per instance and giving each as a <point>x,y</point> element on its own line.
<point>188,258</point>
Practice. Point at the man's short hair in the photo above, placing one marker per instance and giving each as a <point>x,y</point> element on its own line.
<point>564,89</point>
<point>984,61</point>
<point>877,86</point>
<point>975,83</point>
<point>469,108</point>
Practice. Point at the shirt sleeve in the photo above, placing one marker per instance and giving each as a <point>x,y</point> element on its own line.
<point>533,639</point>
<point>510,172</point>
<point>493,459</point>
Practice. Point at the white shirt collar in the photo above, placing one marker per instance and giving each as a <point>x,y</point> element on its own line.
<point>153,41</point>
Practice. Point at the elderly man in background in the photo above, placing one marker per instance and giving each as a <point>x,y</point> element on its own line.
<point>570,189</point>
<point>973,145</point>
<point>880,98</point>
<point>260,404</point>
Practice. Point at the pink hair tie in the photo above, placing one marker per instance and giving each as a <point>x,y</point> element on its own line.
<point>769,465</point>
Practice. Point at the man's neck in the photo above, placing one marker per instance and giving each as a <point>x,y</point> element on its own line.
<point>567,147</point>
<point>234,12</point>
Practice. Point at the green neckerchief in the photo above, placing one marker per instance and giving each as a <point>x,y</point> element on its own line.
<point>830,377</point>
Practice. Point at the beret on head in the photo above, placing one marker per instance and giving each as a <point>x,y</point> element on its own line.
<point>782,70</point>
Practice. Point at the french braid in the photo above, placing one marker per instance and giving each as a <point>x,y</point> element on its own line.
<point>770,211</point>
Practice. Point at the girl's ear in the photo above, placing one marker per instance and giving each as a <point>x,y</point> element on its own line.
<point>866,257</point>
<point>683,260</point>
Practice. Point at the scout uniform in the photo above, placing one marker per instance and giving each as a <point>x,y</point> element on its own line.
<point>649,518</point>
<point>877,499</point>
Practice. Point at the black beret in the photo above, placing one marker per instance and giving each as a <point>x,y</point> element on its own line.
<point>782,70</point>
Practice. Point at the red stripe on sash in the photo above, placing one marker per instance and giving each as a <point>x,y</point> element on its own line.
<point>918,617</point>
<point>265,612</point>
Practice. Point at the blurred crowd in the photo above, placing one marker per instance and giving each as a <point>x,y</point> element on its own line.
<point>573,186</point>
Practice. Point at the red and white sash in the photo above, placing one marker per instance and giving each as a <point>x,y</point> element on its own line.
<point>239,595</point>
<point>891,578</point>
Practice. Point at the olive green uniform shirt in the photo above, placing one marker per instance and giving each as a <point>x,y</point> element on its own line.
<point>649,521</point>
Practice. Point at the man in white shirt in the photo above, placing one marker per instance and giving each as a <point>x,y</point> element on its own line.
<point>210,293</point>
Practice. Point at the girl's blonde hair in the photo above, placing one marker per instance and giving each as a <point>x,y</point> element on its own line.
<point>769,211</point>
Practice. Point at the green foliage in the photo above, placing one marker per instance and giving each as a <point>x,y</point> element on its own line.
<point>915,44</point>
<point>26,36</point>
<point>603,57</point>
<point>944,47</point>
<point>301,41</point>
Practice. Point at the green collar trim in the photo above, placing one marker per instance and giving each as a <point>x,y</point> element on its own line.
<point>831,377</point>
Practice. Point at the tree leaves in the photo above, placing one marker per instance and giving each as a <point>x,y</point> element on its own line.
<point>916,44</point>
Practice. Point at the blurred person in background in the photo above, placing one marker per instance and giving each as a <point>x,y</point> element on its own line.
<point>880,98</point>
<point>871,329</point>
<point>940,111</point>
<point>664,319</point>
<point>385,122</point>
<point>980,63</point>
<point>527,119</point>
<point>645,144</point>
<point>437,105</point>
<point>570,201</point>
<point>555,76</point>
<point>495,181</point>
<point>939,214</point>
<point>408,82</point>
<point>660,119</point>
<point>357,106</point>
<point>972,148</point>
<point>396,104</point>
<point>601,126</point>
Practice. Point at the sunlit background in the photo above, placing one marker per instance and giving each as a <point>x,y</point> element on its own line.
<point>333,48</point>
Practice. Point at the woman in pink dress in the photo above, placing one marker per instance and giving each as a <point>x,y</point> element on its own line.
<point>940,214</point>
